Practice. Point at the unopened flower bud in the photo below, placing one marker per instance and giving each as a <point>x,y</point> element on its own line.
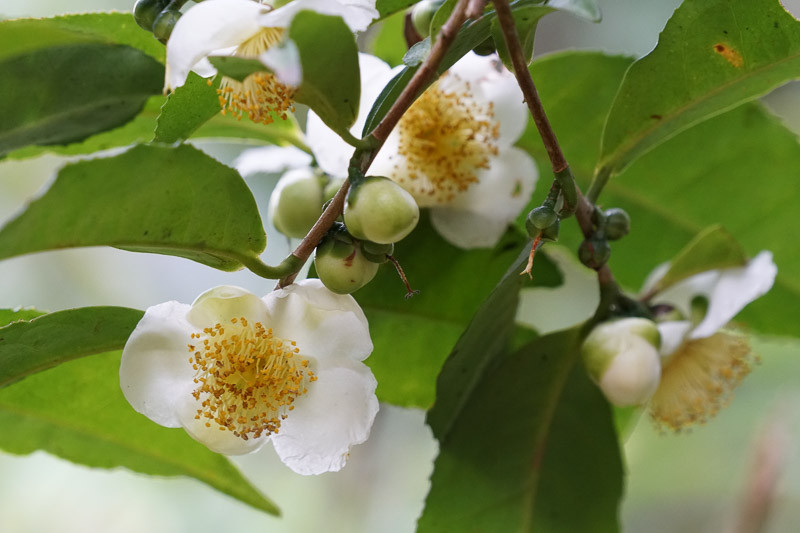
<point>342,267</point>
<point>422,16</point>
<point>621,356</point>
<point>379,210</point>
<point>550,233</point>
<point>331,188</point>
<point>376,252</point>
<point>145,12</point>
<point>164,23</point>
<point>594,252</point>
<point>618,223</point>
<point>540,218</point>
<point>486,47</point>
<point>296,202</point>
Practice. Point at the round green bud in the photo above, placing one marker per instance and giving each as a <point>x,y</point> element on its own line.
<point>594,252</point>
<point>296,202</point>
<point>342,267</point>
<point>550,233</point>
<point>333,186</point>
<point>379,210</point>
<point>486,47</point>
<point>145,12</point>
<point>376,252</point>
<point>164,24</point>
<point>622,357</point>
<point>618,223</point>
<point>540,218</point>
<point>422,16</point>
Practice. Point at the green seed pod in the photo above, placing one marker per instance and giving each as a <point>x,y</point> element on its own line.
<point>594,252</point>
<point>376,252</point>
<point>379,210</point>
<point>164,24</point>
<point>342,267</point>
<point>296,202</point>
<point>422,16</point>
<point>618,224</point>
<point>540,218</point>
<point>145,12</point>
<point>550,233</point>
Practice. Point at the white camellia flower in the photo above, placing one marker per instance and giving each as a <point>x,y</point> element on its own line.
<point>251,29</point>
<point>235,370</point>
<point>702,364</point>
<point>452,150</point>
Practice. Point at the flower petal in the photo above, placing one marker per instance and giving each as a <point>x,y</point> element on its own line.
<point>736,288</point>
<point>480,215</point>
<point>284,61</point>
<point>357,14</point>
<point>205,28</point>
<point>220,304</point>
<point>672,335</point>
<point>335,414</point>
<point>215,438</point>
<point>326,326</point>
<point>154,375</point>
<point>271,159</point>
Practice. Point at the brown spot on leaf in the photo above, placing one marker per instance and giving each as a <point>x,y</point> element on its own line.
<point>656,117</point>
<point>731,56</point>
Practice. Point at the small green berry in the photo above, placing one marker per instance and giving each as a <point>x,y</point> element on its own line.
<point>379,210</point>
<point>594,252</point>
<point>618,224</point>
<point>540,218</point>
<point>145,12</point>
<point>165,23</point>
<point>342,267</point>
<point>296,202</point>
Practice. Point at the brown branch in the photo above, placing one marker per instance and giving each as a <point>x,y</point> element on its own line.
<point>475,9</point>
<point>363,159</point>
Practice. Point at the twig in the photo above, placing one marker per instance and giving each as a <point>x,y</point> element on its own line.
<point>475,8</point>
<point>364,158</point>
<point>409,291</point>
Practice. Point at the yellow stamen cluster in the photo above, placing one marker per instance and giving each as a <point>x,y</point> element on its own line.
<point>699,378</point>
<point>247,379</point>
<point>261,96</point>
<point>445,137</point>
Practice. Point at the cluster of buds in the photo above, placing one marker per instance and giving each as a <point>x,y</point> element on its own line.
<point>157,16</point>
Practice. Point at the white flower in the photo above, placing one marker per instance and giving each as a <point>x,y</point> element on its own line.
<point>701,364</point>
<point>250,29</point>
<point>235,370</point>
<point>452,150</point>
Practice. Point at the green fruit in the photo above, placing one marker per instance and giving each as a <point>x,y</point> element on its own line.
<point>550,233</point>
<point>333,186</point>
<point>145,12</point>
<point>540,218</point>
<point>376,252</point>
<point>342,267</point>
<point>379,210</point>
<point>422,16</point>
<point>594,252</point>
<point>165,23</point>
<point>296,202</point>
<point>618,223</point>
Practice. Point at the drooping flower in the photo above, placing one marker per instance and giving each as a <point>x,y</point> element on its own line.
<point>250,29</point>
<point>235,370</point>
<point>452,150</point>
<point>702,363</point>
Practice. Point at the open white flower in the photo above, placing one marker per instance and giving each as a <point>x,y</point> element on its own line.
<point>250,29</point>
<point>452,150</point>
<point>701,363</point>
<point>235,370</point>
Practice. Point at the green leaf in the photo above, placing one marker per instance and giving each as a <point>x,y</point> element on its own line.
<point>7,316</point>
<point>190,106</point>
<point>236,67</point>
<point>712,56</point>
<point>533,449</point>
<point>76,411</point>
<point>65,93</point>
<point>49,340</point>
<point>713,248</point>
<point>158,199</point>
<point>390,43</point>
<point>413,337</point>
<point>387,7</point>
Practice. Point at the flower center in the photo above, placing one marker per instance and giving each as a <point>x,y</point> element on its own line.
<point>261,96</point>
<point>699,378</point>
<point>247,379</point>
<point>445,137</point>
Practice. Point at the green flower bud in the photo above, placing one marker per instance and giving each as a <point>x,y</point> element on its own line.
<point>376,252</point>
<point>333,186</point>
<point>540,218</point>
<point>145,12</point>
<point>594,252</point>
<point>622,357</point>
<point>342,267</point>
<point>164,23</point>
<point>379,210</point>
<point>296,202</point>
<point>486,47</point>
<point>550,233</point>
<point>422,16</point>
<point>618,224</point>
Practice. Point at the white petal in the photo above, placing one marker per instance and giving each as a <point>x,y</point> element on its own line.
<point>633,375</point>
<point>271,159</point>
<point>357,14</point>
<point>672,335</point>
<point>284,62</point>
<point>326,326</point>
<point>205,28</point>
<point>213,437</point>
<point>736,288</point>
<point>681,294</point>
<point>155,375</point>
<point>335,414</point>
<point>654,277</point>
<point>220,304</point>
<point>480,215</point>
